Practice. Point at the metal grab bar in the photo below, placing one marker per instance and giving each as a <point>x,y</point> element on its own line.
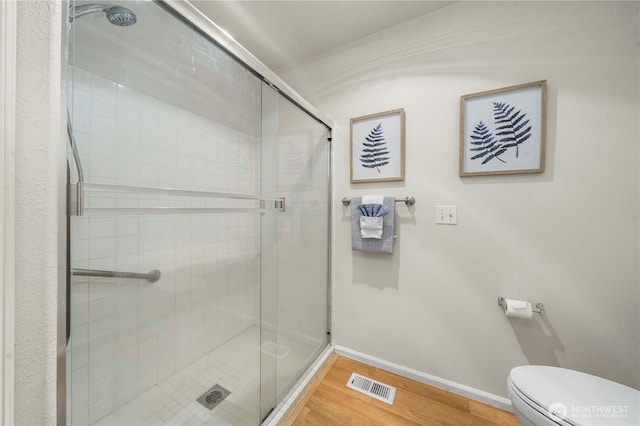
<point>151,276</point>
<point>408,200</point>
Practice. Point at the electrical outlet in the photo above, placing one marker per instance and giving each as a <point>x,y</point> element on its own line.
<point>447,215</point>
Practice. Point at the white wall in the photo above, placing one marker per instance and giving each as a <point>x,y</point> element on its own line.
<point>567,237</point>
<point>37,188</point>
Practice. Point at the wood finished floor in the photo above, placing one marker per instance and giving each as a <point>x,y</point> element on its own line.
<point>329,402</point>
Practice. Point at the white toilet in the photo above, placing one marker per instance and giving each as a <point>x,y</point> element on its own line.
<point>543,395</point>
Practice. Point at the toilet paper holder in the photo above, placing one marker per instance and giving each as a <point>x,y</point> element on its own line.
<point>539,308</point>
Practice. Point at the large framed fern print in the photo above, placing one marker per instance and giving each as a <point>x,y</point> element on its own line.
<point>503,131</point>
<point>377,147</point>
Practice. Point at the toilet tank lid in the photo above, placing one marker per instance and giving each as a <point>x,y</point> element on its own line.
<point>588,399</point>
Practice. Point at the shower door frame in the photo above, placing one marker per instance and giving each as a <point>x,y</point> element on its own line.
<point>8,52</point>
<point>196,19</point>
<point>192,17</point>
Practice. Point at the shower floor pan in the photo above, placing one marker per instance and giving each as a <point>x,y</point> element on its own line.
<point>234,365</point>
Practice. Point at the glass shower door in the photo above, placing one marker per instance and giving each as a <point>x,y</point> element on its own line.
<point>163,119</point>
<point>303,246</point>
<point>187,157</point>
<point>294,245</point>
<point>269,238</point>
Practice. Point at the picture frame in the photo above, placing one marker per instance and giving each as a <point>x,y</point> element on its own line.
<point>503,131</point>
<point>377,147</point>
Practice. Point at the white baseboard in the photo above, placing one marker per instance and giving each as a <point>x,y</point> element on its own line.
<point>428,379</point>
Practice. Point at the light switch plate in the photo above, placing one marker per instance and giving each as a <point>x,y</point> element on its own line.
<point>447,215</point>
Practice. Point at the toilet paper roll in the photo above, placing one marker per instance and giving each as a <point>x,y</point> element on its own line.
<point>518,309</point>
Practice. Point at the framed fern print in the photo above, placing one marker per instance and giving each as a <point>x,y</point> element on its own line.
<point>377,147</point>
<point>503,131</point>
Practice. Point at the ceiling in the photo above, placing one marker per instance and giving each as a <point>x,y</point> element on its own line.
<point>284,33</point>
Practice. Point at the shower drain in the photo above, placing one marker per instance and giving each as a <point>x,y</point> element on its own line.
<point>213,397</point>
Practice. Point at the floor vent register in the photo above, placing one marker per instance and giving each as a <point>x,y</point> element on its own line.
<point>373,388</point>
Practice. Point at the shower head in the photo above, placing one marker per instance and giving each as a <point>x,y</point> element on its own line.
<point>117,15</point>
<point>121,16</point>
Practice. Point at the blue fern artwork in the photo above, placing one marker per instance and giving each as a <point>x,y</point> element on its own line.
<point>375,153</point>
<point>511,130</point>
<point>485,144</point>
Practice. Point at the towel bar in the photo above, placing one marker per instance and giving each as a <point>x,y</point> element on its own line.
<point>408,200</point>
<point>79,192</point>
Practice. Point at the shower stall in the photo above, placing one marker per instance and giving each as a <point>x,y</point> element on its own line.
<point>199,222</point>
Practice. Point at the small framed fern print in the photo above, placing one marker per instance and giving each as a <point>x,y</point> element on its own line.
<point>503,131</point>
<point>377,147</point>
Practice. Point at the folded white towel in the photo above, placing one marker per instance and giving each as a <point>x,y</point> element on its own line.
<point>372,199</point>
<point>371,227</point>
<point>373,245</point>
